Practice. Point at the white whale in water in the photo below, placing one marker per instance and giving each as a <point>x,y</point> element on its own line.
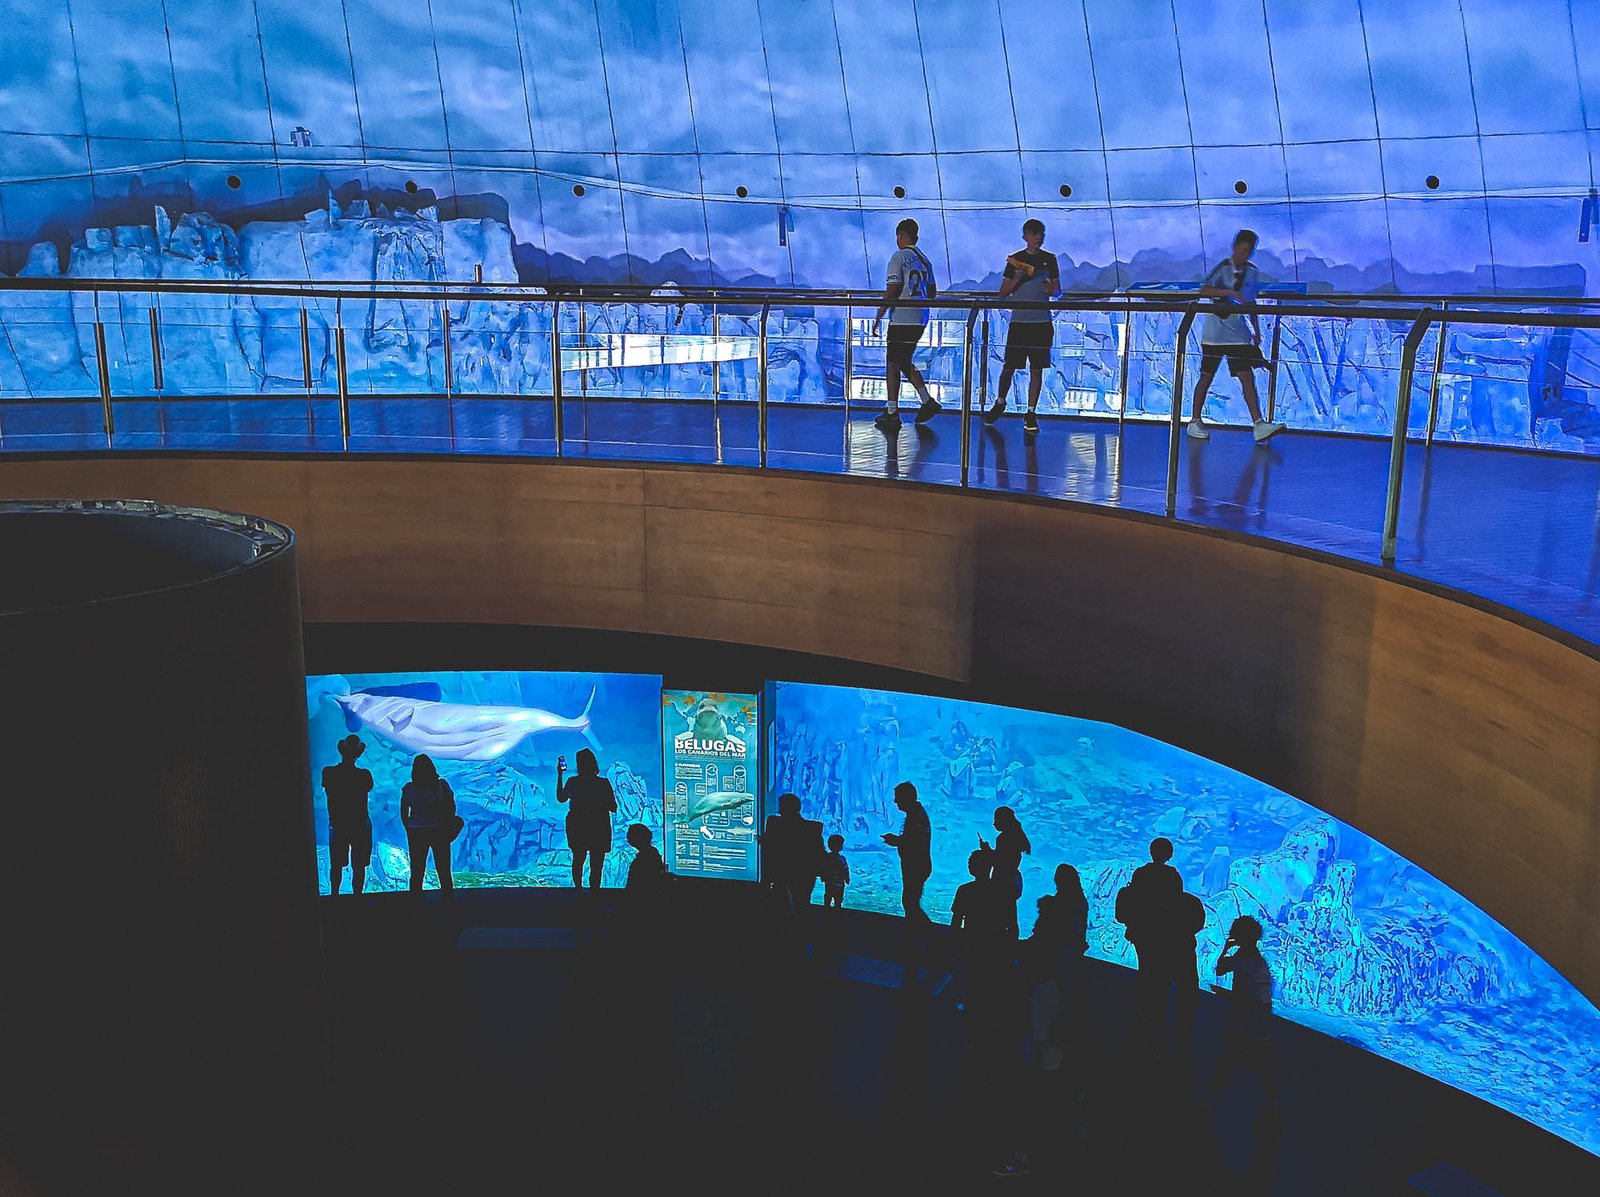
<point>413,717</point>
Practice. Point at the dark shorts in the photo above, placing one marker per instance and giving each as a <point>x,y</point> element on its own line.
<point>350,843</point>
<point>902,343</point>
<point>1028,344</point>
<point>1241,359</point>
<point>588,837</point>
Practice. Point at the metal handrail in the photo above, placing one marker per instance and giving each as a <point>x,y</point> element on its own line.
<point>476,289</point>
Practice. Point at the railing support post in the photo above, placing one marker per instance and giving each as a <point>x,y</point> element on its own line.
<point>449,370</point>
<point>103,371</point>
<point>158,375</point>
<point>555,374</point>
<point>342,371</point>
<point>849,371</point>
<point>1176,433</point>
<point>716,378</point>
<point>1397,444</point>
<point>1124,353</point>
<point>761,393</point>
<point>1433,383</point>
<point>1272,374</point>
<point>966,396</point>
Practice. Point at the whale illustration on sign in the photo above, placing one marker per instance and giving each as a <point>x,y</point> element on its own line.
<point>701,805</point>
<point>415,717</point>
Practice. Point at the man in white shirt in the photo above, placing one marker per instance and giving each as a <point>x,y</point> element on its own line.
<point>910,277</point>
<point>1234,280</point>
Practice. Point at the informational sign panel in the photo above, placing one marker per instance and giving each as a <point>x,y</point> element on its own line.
<point>710,778</point>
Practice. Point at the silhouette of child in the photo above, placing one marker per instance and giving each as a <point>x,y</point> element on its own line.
<point>835,873</point>
<point>648,869</point>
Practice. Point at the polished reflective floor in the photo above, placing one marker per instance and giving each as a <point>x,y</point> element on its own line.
<point>1518,528</point>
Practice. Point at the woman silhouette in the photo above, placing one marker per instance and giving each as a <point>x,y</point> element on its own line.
<point>589,821</point>
<point>428,811</point>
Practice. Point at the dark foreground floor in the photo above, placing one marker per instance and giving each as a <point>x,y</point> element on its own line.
<point>502,1051</point>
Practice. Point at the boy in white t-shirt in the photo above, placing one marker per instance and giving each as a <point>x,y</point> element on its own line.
<point>910,277</point>
<point>1234,280</point>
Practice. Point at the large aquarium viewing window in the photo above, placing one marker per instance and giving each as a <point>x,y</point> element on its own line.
<point>496,738</point>
<point>1363,944</point>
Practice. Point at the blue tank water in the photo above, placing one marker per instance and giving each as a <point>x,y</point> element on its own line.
<point>1363,944</point>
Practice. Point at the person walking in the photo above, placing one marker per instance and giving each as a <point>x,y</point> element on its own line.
<point>1226,336</point>
<point>910,278</point>
<point>589,821</point>
<point>428,813</point>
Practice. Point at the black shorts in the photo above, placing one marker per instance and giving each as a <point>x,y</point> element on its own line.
<point>902,343</point>
<point>1242,358</point>
<point>352,843</point>
<point>1028,344</point>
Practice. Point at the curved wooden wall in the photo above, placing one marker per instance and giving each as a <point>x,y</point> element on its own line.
<point>1463,739</point>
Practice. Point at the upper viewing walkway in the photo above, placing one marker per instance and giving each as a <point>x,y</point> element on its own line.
<point>1490,485</point>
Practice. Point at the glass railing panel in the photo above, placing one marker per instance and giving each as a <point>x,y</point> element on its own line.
<point>49,382</point>
<point>636,379</point>
<point>214,391</point>
<point>502,398</point>
<point>809,422</point>
<point>1519,527</point>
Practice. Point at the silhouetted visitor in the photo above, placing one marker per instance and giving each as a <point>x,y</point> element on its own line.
<point>1160,862</point>
<point>914,842</point>
<point>910,278</point>
<point>1060,936</point>
<point>1010,846</point>
<point>1224,336</point>
<point>792,854</point>
<point>835,873</point>
<point>1032,275</point>
<point>648,870</point>
<point>983,911</point>
<point>589,820</point>
<point>1247,1041</point>
<point>428,811</point>
<point>1041,1091</point>
<point>1162,922</point>
<point>349,822</point>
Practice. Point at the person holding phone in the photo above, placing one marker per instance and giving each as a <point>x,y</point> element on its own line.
<point>1247,1044</point>
<point>589,821</point>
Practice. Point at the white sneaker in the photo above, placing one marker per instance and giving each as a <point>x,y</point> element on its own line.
<point>1199,431</point>
<point>1266,430</point>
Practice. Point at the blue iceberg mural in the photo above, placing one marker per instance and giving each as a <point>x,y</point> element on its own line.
<point>495,737</point>
<point>1377,148</point>
<point>1363,944</point>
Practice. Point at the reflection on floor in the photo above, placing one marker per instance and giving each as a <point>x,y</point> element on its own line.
<point>727,1058</point>
<point>1519,528</point>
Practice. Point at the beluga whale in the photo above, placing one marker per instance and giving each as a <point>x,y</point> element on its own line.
<point>415,717</point>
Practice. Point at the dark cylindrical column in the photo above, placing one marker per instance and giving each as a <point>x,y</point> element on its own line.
<point>160,1008</point>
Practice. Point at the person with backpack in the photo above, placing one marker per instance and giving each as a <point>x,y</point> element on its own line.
<point>428,812</point>
<point>1162,922</point>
